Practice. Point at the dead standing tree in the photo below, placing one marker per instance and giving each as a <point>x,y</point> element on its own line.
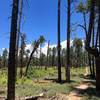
<point>59,47</point>
<point>36,45</point>
<point>12,50</point>
<point>18,31</point>
<point>68,42</point>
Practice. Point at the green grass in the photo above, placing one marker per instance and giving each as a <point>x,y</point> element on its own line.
<point>50,88</point>
<point>26,86</point>
<point>3,77</point>
<point>38,73</point>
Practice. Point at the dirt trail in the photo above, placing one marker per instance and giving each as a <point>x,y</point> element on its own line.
<point>75,94</point>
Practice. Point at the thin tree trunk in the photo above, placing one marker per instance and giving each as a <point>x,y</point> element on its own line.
<point>34,49</point>
<point>93,67</point>
<point>12,50</point>
<point>18,31</point>
<point>98,73</point>
<point>98,58</point>
<point>91,24</point>
<point>40,57</point>
<point>59,48</point>
<point>93,60</point>
<point>29,63</point>
<point>97,36</point>
<point>85,24</point>
<point>89,59</point>
<point>47,56</point>
<point>22,54</point>
<point>68,43</point>
<point>98,30</point>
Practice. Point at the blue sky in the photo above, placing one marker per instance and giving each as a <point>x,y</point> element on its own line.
<point>39,18</point>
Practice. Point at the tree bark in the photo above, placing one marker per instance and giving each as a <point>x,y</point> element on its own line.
<point>18,32</point>
<point>47,64</point>
<point>12,50</point>
<point>68,44</point>
<point>89,60</point>
<point>98,73</point>
<point>59,47</point>
<point>98,58</point>
<point>22,54</point>
<point>91,24</point>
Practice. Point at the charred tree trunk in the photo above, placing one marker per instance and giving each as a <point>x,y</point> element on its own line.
<point>89,59</point>
<point>18,32</point>
<point>59,47</point>
<point>12,50</point>
<point>93,60</point>
<point>31,55</point>
<point>68,44</point>
<point>47,56</point>
<point>98,73</point>
<point>98,58</point>
<point>22,54</point>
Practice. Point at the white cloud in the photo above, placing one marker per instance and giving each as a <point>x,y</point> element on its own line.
<point>44,48</point>
<point>28,46</point>
<point>3,49</point>
<point>63,44</point>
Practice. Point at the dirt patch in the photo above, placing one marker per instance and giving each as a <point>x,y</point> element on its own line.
<point>75,94</point>
<point>2,98</point>
<point>42,81</point>
<point>82,86</point>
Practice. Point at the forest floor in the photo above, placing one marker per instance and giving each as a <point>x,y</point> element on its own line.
<point>78,91</point>
<point>42,85</point>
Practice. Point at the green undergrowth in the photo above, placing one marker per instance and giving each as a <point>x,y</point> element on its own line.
<point>26,86</point>
<point>3,77</point>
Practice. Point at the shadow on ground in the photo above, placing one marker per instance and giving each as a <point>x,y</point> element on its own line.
<point>87,77</point>
<point>90,91</point>
<point>56,80</point>
<point>90,82</point>
<point>2,92</point>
